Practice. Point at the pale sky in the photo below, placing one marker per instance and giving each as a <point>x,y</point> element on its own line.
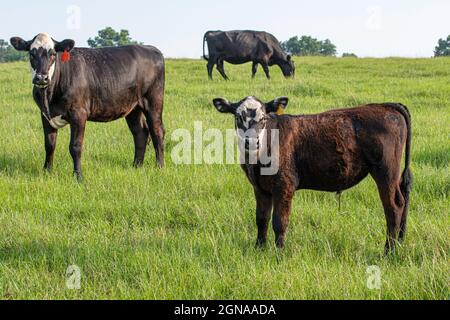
<point>376,28</point>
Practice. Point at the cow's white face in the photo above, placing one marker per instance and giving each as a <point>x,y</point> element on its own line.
<point>42,59</point>
<point>43,56</point>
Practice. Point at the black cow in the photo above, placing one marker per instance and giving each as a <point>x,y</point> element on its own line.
<point>99,85</point>
<point>237,47</point>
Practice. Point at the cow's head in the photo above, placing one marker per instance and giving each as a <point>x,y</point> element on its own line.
<point>287,66</point>
<point>43,52</point>
<point>250,111</point>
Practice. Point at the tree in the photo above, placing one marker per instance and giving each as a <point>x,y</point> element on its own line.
<point>109,37</point>
<point>9,54</point>
<point>309,46</point>
<point>443,48</point>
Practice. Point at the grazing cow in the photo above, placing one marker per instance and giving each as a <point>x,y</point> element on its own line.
<point>331,151</point>
<point>237,47</point>
<point>99,85</point>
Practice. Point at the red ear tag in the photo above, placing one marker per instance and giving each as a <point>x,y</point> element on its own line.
<point>65,56</point>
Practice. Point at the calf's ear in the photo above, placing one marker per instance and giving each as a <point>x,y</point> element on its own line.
<point>224,106</point>
<point>65,45</point>
<point>277,106</point>
<point>20,44</point>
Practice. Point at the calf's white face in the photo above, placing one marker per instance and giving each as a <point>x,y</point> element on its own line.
<point>250,112</point>
<point>43,55</point>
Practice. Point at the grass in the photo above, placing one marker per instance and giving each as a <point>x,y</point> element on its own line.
<point>187,231</point>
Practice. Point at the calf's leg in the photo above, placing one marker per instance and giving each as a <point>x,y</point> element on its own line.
<point>138,126</point>
<point>263,210</point>
<point>393,204</point>
<point>282,202</point>
<point>50,135</point>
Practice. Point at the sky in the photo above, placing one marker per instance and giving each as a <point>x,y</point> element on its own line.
<point>368,28</point>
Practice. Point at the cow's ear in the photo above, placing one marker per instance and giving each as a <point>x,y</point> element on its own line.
<point>65,45</point>
<point>289,57</point>
<point>277,106</point>
<point>20,44</point>
<point>224,106</point>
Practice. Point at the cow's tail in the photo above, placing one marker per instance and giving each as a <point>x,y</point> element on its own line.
<point>407,177</point>
<point>205,37</point>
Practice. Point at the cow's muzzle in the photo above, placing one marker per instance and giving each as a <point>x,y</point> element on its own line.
<point>41,80</point>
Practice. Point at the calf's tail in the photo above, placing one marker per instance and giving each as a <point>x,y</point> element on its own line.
<point>407,177</point>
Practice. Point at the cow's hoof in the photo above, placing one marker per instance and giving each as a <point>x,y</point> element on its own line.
<point>78,176</point>
<point>280,243</point>
<point>260,244</point>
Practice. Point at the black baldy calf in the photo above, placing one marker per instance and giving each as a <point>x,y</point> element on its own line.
<point>237,47</point>
<point>99,85</point>
<point>331,151</point>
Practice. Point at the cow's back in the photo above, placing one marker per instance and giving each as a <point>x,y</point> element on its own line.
<point>112,78</point>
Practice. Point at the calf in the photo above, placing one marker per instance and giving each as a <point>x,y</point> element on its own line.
<point>72,86</point>
<point>331,151</point>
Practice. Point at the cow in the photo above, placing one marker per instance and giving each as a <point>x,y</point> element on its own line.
<point>75,85</point>
<point>331,151</point>
<point>237,47</point>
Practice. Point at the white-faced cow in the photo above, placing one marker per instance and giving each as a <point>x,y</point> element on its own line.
<point>75,85</point>
<point>331,151</point>
<point>237,47</point>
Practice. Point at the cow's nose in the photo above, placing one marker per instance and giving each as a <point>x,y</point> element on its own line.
<point>41,79</point>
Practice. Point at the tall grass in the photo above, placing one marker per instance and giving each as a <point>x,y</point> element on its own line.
<point>187,232</point>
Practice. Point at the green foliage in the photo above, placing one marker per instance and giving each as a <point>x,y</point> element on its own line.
<point>109,37</point>
<point>443,48</point>
<point>188,231</point>
<point>9,54</point>
<point>349,55</point>
<point>308,46</point>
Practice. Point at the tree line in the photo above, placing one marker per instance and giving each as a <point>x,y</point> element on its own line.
<point>298,46</point>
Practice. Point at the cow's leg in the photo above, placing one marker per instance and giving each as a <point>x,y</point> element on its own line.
<point>265,67</point>
<point>221,69</point>
<point>77,128</point>
<point>153,110</point>
<point>210,67</point>
<point>254,69</point>
<point>50,135</point>
<point>263,210</point>
<point>282,201</point>
<point>138,126</point>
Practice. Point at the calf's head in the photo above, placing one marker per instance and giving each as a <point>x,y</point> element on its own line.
<point>257,142</point>
<point>250,111</point>
<point>43,53</point>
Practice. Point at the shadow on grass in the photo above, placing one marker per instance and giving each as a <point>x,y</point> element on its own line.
<point>438,158</point>
<point>13,165</point>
